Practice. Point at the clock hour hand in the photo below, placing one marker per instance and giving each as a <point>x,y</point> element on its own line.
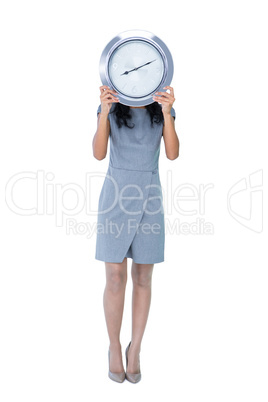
<point>135,69</point>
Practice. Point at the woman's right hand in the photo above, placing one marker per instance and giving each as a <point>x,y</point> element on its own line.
<point>107,98</point>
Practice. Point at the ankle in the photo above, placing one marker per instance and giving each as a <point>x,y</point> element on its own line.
<point>135,347</point>
<point>115,345</point>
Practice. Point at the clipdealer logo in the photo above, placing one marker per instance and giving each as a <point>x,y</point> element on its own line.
<point>245,201</point>
<point>46,197</point>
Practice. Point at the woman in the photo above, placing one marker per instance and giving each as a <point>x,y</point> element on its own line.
<point>129,229</point>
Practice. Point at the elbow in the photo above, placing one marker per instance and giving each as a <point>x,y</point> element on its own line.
<point>173,152</point>
<point>99,157</point>
<point>173,156</point>
<point>97,152</point>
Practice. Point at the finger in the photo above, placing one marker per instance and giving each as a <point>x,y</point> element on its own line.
<point>171,89</point>
<point>105,88</point>
<point>102,87</point>
<point>163,101</point>
<point>165,97</point>
<point>165,94</point>
<point>113,100</point>
<point>109,98</point>
<point>106,95</point>
<point>109,91</point>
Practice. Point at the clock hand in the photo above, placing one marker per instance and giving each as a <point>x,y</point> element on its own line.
<point>135,69</point>
<point>149,62</point>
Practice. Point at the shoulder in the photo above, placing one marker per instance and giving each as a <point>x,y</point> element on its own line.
<point>99,109</point>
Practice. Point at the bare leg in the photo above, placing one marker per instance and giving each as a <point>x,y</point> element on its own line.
<point>141,301</point>
<point>113,303</point>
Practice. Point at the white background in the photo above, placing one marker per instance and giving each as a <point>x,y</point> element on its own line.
<point>206,337</point>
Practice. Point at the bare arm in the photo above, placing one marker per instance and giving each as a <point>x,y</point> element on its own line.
<point>172,144</point>
<point>100,139</point>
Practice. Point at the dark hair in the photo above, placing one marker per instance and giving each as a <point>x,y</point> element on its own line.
<point>123,115</point>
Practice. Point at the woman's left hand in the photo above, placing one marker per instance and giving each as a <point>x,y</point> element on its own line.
<point>165,99</point>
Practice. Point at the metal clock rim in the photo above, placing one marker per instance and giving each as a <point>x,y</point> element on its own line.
<point>123,41</point>
<point>131,35</point>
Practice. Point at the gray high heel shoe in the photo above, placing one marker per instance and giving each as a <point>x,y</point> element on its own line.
<point>118,377</point>
<point>132,377</point>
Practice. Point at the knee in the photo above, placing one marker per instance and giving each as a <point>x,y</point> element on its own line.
<point>116,279</point>
<point>142,278</point>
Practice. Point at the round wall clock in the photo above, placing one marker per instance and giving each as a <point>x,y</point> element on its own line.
<point>136,64</point>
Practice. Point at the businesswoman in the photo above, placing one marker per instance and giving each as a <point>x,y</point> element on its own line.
<point>131,225</point>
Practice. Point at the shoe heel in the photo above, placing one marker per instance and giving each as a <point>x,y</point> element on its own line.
<point>117,377</point>
<point>131,377</point>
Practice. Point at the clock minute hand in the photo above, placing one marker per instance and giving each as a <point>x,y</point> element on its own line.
<point>149,62</point>
<point>136,68</point>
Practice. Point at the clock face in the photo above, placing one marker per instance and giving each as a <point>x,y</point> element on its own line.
<point>136,68</point>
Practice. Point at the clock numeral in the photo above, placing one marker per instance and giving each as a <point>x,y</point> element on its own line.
<point>115,65</point>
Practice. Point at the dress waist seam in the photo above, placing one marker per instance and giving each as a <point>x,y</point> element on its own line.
<point>134,170</point>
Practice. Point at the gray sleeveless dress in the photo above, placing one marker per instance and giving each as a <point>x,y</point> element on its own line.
<point>130,209</point>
